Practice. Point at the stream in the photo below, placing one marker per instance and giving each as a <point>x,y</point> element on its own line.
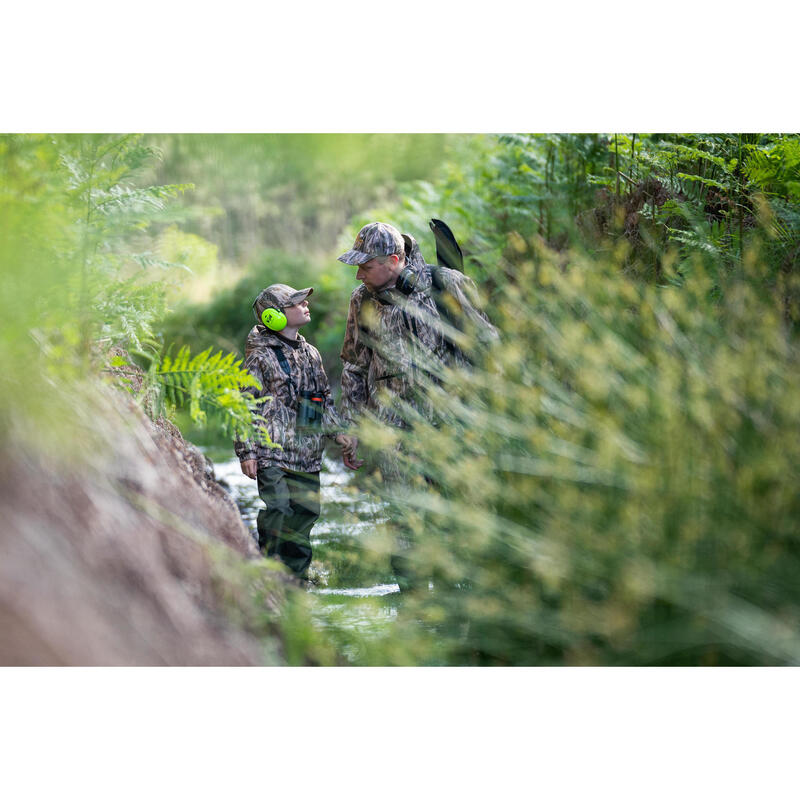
<point>355,592</point>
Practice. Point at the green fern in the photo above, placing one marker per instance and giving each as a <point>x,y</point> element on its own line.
<point>215,388</point>
<point>775,168</point>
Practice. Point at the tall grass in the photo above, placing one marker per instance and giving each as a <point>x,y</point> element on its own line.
<point>616,482</point>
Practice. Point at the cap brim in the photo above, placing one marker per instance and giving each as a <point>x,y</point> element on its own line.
<point>355,258</point>
<point>301,295</point>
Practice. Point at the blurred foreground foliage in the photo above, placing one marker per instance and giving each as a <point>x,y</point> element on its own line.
<point>84,273</point>
<point>616,481</point>
<point>617,484</point>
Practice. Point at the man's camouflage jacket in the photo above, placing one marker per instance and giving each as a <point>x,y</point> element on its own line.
<point>394,343</point>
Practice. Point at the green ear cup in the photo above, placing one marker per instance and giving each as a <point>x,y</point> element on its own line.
<point>275,320</point>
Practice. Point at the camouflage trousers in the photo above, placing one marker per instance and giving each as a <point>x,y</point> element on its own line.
<point>291,501</point>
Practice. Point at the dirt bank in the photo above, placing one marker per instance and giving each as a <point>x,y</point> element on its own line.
<point>130,555</point>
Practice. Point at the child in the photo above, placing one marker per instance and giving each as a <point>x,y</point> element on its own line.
<point>298,417</point>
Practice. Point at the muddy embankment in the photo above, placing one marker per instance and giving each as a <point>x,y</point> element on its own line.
<point>130,555</point>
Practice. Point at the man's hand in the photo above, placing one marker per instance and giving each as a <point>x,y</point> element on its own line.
<point>349,446</point>
<point>250,468</point>
<point>351,462</point>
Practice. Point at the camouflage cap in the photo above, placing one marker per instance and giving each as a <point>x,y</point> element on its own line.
<point>279,296</point>
<point>374,240</point>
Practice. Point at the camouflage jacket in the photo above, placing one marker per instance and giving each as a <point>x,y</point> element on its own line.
<point>392,341</point>
<point>301,450</point>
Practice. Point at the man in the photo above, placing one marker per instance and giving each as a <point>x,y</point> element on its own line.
<point>298,416</point>
<point>397,337</point>
<point>396,329</point>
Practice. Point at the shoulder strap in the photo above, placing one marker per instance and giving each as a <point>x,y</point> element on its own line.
<point>283,361</point>
<point>436,277</point>
<point>439,290</point>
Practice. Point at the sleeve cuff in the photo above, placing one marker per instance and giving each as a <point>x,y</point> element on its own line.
<point>245,451</point>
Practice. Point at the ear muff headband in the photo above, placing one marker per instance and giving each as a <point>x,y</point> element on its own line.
<point>273,319</point>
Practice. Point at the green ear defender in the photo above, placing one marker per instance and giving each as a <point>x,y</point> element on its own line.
<point>274,319</point>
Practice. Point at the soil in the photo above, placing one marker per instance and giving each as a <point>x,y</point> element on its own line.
<point>130,555</point>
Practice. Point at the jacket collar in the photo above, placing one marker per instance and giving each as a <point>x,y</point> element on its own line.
<point>269,338</point>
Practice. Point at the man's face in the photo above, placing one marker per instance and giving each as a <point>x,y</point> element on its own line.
<point>297,315</point>
<point>379,274</point>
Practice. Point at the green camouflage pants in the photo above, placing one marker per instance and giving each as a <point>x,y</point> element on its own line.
<point>291,501</point>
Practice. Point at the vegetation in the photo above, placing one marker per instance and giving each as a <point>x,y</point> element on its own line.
<point>616,483</point>
<point>209,385</point>
<point>613,483</point>
<point>83,277</point>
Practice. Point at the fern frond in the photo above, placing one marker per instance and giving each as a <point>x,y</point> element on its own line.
<point>700,179</point>
<point>211,386</point>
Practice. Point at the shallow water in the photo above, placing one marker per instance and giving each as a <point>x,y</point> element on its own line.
<point>356,599</point>
<point>351,594</point>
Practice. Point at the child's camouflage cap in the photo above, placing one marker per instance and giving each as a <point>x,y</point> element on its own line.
<point>279,296</point>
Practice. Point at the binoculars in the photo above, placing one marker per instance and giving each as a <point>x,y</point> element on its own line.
<point>309,410</point>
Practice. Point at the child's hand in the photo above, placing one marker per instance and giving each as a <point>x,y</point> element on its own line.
<point>250,468</point>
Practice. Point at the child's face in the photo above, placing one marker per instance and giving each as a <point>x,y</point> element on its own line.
<point>298,315</point>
